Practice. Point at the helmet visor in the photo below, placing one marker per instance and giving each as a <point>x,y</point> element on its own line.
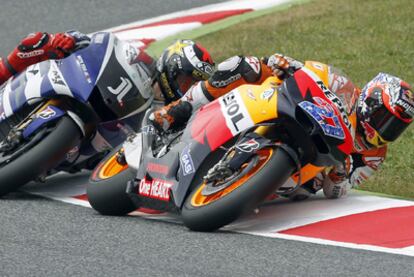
<point>184,82</point>
<point>388,126</point>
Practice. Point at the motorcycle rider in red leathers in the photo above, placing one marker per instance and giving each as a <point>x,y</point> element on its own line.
<point>384,109</point>
<point>181,65</point>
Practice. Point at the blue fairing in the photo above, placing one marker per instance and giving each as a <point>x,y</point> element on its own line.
<point>75,76</point>
<point>82,81</point>
<point>50,113</point>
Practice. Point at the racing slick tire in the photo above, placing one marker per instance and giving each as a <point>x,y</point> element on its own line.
<point>43,153</point>
<point>252,185</point>
<point>107,186</point>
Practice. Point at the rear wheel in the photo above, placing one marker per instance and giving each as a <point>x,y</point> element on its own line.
<point>107,186</point>
<point>208,207</point>
<point>42,152</point>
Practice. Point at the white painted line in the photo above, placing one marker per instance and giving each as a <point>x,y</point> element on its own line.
<point>157,32</point>
<point>409,251</point>
<point>225,6</point>
<point>284,214</point>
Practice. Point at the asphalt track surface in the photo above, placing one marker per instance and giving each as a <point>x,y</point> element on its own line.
<point>40,237</point>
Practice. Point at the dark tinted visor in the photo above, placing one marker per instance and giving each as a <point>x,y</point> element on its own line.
<point>183,82</point>
<point>388,126</point>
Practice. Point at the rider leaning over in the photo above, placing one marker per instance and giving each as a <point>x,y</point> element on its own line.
<point>172,74</point>
<point>384,108</point>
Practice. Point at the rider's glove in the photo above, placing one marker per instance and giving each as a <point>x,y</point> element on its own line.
<point>62,42</point>
<point>336,183</point>
<point>38,47</point>
<point>171,117</point>
<point>283,66</point>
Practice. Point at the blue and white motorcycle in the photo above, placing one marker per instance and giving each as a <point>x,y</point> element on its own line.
<point>60,114</point>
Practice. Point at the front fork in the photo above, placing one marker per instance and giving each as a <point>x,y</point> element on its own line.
<point>22,130</point>
<point>243,150</point>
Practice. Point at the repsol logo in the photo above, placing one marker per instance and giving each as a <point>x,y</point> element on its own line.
<point>233,109</point>
<point>338,103</point>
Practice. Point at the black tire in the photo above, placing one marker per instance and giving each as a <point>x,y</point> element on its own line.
<point>216,214</point>
<point>43,156</point>
<point>108,196</point>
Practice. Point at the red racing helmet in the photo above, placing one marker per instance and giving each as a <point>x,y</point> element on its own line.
<point>385,109</point>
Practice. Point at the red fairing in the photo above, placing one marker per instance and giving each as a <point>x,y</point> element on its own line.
<point>144,57</point>
<point>307,84</point>
<point>5,74</point>
<point>210,123</point>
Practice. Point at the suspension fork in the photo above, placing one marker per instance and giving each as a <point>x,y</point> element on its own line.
<point>37,110</point>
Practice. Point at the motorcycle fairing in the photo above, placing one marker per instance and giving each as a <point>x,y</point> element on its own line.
<point>313,90</point>
<point>73,76</point>
<point>210,127</point>
<point>49,113</point>
<point>221,120</point>
<point>235,112</point>
<point>162,169</point>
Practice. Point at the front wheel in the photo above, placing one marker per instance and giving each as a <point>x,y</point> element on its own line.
<point>107,186</point>
<point>260,176</point>
<point>38,155</point>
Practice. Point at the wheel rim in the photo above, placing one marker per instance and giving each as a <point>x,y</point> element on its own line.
<point>198,199</point>
<point>111,168</point>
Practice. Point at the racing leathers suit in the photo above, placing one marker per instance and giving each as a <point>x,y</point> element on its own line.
<point>239,70</point>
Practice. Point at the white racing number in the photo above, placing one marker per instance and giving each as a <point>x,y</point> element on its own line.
<point>324,114</point>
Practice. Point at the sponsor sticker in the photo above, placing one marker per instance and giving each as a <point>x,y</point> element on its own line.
<point>47,113</point>
<point>148,130</point>
<point>324,115</point>
<point>235,112</point>
<point>224,83</point>
<point>34,53</point>
<point>156,188</point>
<point>248,146</point>
<point>99,38</point>
<point>157,168</point>
<point>251,94</point>
<point>254,63</point>
<point>186,161</point>
<point>56,78</point>
<point>57,81</point>
<point>267,94</point>
<point>84,69</point>
<point>122,89</point>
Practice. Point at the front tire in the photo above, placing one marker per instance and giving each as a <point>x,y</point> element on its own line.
<point>208,213</point>
<point>40,158</point>
<point>107,185</point>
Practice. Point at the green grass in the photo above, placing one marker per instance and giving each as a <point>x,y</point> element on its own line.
<point>360,37</point>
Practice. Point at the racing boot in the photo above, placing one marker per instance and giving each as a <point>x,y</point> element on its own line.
<point>171,117</point>
<point>305,191</point>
